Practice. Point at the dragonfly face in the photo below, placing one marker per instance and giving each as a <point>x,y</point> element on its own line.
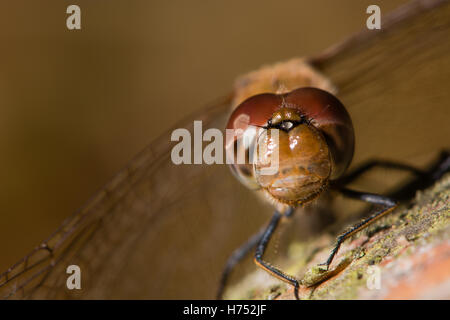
<point>306,135</point>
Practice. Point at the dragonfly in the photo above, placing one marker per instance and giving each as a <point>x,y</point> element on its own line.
<point>165,231</point>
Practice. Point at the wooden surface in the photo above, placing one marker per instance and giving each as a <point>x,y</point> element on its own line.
<point>405,255</point>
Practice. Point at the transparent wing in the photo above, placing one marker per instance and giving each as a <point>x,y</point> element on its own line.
<point>155,231</point>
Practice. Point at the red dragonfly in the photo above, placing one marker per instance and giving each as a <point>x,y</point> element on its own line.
<point>159,230</point>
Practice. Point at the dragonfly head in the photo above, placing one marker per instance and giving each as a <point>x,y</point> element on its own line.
<point>296,143</point>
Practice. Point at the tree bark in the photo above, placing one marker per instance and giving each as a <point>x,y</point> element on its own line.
<point>406,255</point>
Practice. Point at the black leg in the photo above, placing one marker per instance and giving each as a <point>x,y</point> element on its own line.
<point>434,172</point>
<point>387,205</point>
<point>366,166</point>
<point>261,248</point>
<point>237,256</point>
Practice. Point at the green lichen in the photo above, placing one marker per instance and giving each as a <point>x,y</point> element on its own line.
<point>397,235</point>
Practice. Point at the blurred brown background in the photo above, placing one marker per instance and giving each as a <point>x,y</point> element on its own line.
<point>75,106</point>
